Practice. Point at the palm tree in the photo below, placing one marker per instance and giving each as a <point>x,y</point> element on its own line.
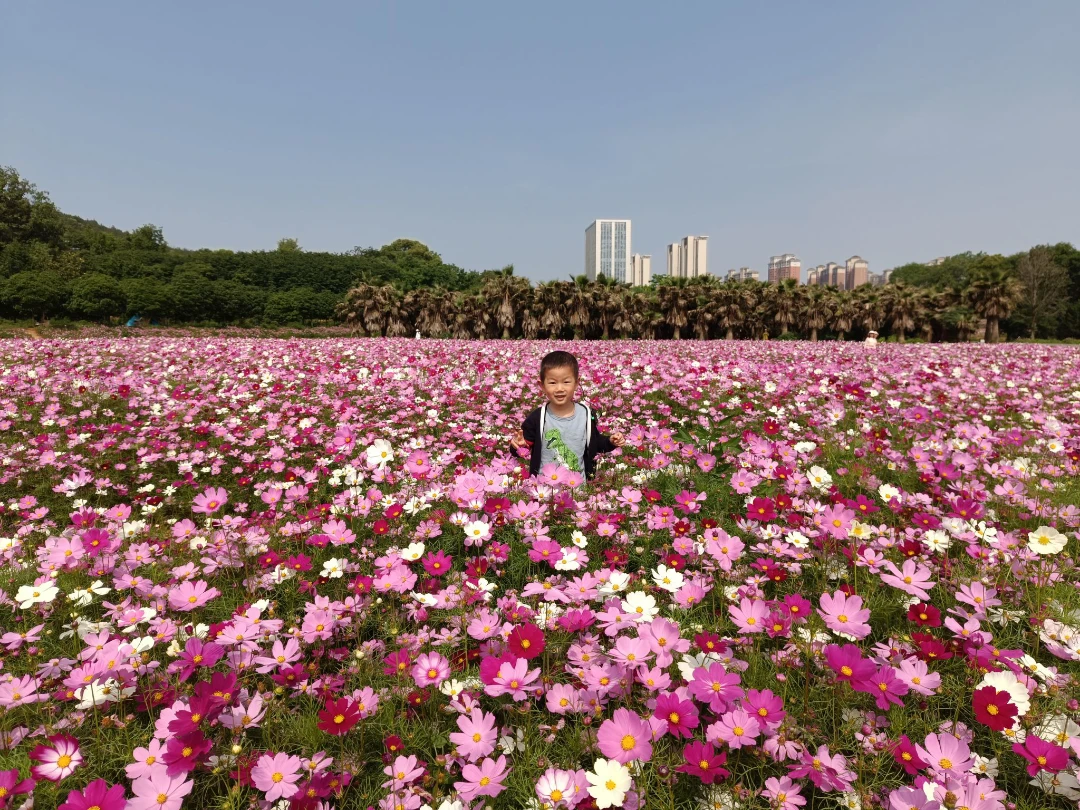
<point>817,309</point>
<point>579,301</point>
<point>366,308</point>
<point>993,293</point>
<point>473,316</point>
<point>870,303</point>
<point>845,311</point>
<point>505,291</point>
<point>904,306</point>
<point>607,301</point>
<point>783,300</point>
<point>674,301</point>
<point>549,299</point>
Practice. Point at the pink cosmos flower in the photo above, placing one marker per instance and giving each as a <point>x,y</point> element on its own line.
<point>191,595</point>
<point>946,755</point>
<point>148,760</point>
<point>1041,755</point>
<point>664,639</point>
<point>56,760</point>
<point>736,728</point>
<point>485,779</point>
<point>845,614</point>
<point>917,675</point>
<point>557,787</point>
<point>159,791</point>
<point>750,615</point>
<point>210,501</point>
<point>625,737</point>
<point>913,578</point>
<point>98,795</point>
<point>783,794</point>
<point>715,686</point>
<point>13,786</point>
<point>430,669</point>
<point>765,707</point>
<point>513,679</point>
<point>403,772</point>
<point>276,775</point>
<point>478,734</point>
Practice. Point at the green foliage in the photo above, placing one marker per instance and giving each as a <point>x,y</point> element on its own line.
<point>96,297</point>
<point>147,297</point>
<point>302,305</point>
<point>35,295</point>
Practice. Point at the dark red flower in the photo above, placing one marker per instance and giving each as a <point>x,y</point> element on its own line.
<point>993,709</point>
<point>906,756</point>
<point>924,615</point>
<point>761,509</point>
<point>338,716</point>
<point>526,641</point>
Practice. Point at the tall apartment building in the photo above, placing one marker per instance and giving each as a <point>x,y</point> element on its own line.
<point>607,249</point>
<point>858,272</point>
<point>640,270</point>
<point>811,276</point>
<point>688,259</point>
<point>742,274</point>
<point>784,267</point>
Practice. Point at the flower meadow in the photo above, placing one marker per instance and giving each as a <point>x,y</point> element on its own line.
<point>313,574</point>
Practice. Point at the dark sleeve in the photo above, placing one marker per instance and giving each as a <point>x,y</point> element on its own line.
<point>600,442</point>
<point>530,428</point>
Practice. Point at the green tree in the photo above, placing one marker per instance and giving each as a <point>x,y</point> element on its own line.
<point>146,297</point>
<point>26,214</point>
<point>993,293</point>
<point>36,295</point>
<point>193,296</point>
<point>96,297</point>
<point>1044,290</point>
<point>288,245</point>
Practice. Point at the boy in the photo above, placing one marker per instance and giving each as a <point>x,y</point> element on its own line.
<point>563,431</point>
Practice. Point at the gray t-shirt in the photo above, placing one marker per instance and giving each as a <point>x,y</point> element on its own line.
<point>573,431</point>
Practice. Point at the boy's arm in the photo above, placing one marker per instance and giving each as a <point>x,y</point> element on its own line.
<point>527,437</point>
<point>601,443</point>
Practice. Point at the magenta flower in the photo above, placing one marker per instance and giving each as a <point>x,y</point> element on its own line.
<point>702,761</point>
<point>276,775</point>
<point>485,779</point>
<point>98,795</point>
<point>825,770</point>
<point>765,707</point>
<point>56,760</point>
<point>848,664</point>
<point>625,737</point>
<point>210,501</point>
<point>1041,755</point>
<point>477,736</point>
<point>681,715</point>
<point>11,785</point>
<point>430,669</point>
<point>845,614</point>
<point>886,688</point>
<point>159,791</point>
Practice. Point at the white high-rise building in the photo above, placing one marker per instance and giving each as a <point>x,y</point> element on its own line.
<point>640,270</point>
<point>689,259</point>
<point>607,249</point>
<point>786,266</point>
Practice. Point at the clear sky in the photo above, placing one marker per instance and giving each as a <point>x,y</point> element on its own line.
<point>495,132</point>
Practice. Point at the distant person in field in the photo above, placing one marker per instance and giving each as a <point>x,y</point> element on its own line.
<point>871,339</point>
<point>563,432</point>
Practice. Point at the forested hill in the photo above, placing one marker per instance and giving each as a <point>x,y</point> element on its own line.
<point>57,264</point>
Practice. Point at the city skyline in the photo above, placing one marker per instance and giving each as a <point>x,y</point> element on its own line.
<point>379,122</point>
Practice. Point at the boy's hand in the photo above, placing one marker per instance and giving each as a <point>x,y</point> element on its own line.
<point>518,441</point>
<point>618,439</point>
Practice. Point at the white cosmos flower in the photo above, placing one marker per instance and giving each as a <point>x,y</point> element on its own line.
<point>29,595</point>
<point>608,783</point>
<point>616,583</point>
<point>641,606</point>
<point>937,540</point>
<point>425,599</point>
<point>333,568</point>
<point>888,492</point>
<point>1046,540</point>
<point>380,453</point>
<point>819,478</point>
<point>413,552</point>
<point>667,578</point>
<point>570,560</point>
<point>579,539</point>
<point>477,530</point>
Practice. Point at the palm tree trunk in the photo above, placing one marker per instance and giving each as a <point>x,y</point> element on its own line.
<point>813,334</point>
<point>506,333</point>
<point>840,336</point>
<point>991,330</point>
<point>900,338</point>
<point>730,334</point>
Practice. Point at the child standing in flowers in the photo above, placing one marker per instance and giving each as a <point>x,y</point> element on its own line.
<point>563,432</point>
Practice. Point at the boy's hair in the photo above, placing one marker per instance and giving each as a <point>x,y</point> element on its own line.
<point>553,360</point>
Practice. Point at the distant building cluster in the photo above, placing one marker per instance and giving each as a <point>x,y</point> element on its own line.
<point>608,253</point>
<point>689,258</point>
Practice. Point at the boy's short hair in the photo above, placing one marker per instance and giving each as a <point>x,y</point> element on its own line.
<point>554,360</point>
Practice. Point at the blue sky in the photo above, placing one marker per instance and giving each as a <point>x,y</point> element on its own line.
<point>495,132</point>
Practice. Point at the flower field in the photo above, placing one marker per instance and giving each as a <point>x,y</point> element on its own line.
<point>312,574</point>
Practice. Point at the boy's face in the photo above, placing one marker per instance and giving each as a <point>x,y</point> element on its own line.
<point>559,385</point>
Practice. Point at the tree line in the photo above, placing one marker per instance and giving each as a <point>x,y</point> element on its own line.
<point>55,265</point>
